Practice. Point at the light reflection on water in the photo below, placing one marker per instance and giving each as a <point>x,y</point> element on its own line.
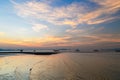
<point>63,66</point>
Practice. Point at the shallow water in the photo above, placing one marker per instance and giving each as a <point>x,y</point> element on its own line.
<point>63,66</point>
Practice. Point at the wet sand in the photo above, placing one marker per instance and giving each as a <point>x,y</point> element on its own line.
<point>63,66</point>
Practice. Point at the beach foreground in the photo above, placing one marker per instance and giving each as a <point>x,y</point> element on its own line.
<point>63,66</point>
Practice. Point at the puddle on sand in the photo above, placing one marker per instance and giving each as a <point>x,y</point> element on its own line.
<point>18,67</point>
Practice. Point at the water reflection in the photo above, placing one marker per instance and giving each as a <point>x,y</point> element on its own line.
<point>18,66</point>
<point>64,66</point>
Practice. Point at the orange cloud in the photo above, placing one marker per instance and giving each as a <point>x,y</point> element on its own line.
<point>36,42</point>
<point>71,15</point>
<point>68,40</point>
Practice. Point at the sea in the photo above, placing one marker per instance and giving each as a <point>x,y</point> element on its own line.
<point>61,66</point>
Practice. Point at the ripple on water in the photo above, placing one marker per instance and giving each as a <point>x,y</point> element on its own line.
<point>76,67</point>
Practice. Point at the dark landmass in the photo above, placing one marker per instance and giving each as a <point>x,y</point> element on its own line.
<point>36,53</point>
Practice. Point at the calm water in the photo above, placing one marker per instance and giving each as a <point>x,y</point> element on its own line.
<point>63,66</point>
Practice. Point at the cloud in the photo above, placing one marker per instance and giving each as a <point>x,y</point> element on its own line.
<point>74,31</point>
<point>66,41</point>
<point>64,15</point>
<point>84,30</point>
<point>104,12</point>
<point>90,39</point>
<point>38,27</point>
<point>72,15</point>
<point>113,5</point>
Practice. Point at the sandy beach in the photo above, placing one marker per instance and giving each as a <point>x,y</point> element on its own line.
<point>63,66</point>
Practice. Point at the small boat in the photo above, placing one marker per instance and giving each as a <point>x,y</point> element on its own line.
<point>56,51</point>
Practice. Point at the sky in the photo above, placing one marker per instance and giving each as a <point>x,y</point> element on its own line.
<point>59,23</point>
